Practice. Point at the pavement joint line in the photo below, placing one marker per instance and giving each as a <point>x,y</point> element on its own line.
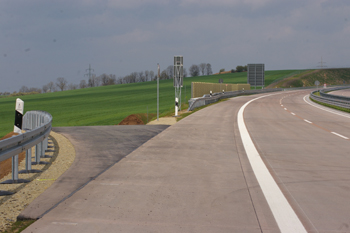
<point>339,135</point>
<point>286,218</point>
<point>308,121</point>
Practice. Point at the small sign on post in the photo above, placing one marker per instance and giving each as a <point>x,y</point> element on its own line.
<point>317,83</point>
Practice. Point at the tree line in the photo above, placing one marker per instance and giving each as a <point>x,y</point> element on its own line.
<point>61,84</point>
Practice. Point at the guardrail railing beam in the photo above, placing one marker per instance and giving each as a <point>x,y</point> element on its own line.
<point>37,125</point>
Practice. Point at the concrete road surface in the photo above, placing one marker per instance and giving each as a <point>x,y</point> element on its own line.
<point>195,176</point>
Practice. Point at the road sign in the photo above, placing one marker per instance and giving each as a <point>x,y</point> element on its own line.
<point>317,83</point>
<point>256,75</point>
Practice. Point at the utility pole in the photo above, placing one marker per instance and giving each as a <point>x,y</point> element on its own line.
<point>322,62</point>
<point>158,92</point>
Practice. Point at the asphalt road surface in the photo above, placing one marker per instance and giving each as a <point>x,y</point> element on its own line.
<point>201,174</point>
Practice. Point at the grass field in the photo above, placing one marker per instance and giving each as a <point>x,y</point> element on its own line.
<point>109,105</point>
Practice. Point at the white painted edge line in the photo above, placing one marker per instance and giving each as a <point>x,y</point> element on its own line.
<point>286,218</point>
<point>292,113</point>
<point>325,108</point>
<point>65,223</point>
<point>339,135</point>
<point>308,121</point>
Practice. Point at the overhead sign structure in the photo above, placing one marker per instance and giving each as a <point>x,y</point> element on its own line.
<point>178,81</point>
<point>256,75</point>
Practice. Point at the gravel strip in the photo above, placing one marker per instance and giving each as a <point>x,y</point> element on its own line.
<point>12,206</point>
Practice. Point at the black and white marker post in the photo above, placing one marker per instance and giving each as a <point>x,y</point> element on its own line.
<point>17,129</point>
<point>19,116</point>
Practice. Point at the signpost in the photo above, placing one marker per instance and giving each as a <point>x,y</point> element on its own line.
<point>178,81</point>
<point>317,83</point>
<point>158,92</point>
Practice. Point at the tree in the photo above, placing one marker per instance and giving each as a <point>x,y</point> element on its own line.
<point>194,70</point>
<point>51,87</point>
<point>170,71</point>
<point>239,68</point>
<point>105,79</point>
<point>245,68</point>
<point>45,88</point>
<point>82,84</point>
<point>34,90</point>
<point>24,89</point>
<point>119,80</point>
<point>61,83</point>
<point>151,75</point>
<point>141,77</point>
<point>222,70</point>
<point>185,73</point>
<point>163,75</point>
<point>202,67</point>
<point>112,79</point>
<point>208,70</point>
<point>93,81</point>
<point>146,75</point>
<point>72,86</point>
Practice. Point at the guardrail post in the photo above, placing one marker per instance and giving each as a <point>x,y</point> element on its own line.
<point>28,168</point>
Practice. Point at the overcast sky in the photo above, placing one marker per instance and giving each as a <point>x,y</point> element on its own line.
<point>42,40</point>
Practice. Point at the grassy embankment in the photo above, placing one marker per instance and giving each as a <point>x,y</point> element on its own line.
<point>109,105</point>
<point>308,78</point>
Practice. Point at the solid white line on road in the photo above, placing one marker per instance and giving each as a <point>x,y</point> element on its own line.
<point>65,223</point>
<point>308,121</point>
<point>292,113</point>
<point>347,115</point>
<point>339,135</point>
<point>286,218</point>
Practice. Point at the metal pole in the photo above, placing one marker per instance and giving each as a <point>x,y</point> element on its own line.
<point>158,92</point>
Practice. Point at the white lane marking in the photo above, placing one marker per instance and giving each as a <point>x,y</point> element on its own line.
<point>308,121</point>
<point>347,115</point>
<point>286,218</point>
<point>292,113</point>
<point>339,135</point>
<point>285,108</point>
<point>65,223</point>
<point>107,184</point>
<point>282,105</point>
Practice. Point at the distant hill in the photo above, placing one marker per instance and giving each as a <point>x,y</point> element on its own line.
<point>308,78</point>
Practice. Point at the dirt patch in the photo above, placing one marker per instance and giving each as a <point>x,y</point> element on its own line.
<point>133,119</point>
<point>6,165</point>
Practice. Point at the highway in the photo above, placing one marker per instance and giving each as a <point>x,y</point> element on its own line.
<point>201,174</point>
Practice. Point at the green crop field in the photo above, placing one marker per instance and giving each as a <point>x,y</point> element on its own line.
<point>108,105</point>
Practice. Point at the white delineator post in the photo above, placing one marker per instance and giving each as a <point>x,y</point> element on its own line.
<point>17,129</point>
<point>19,116</point>
<point>176,106</point>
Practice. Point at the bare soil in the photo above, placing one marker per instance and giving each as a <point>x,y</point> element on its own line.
<point>132,120</point>
<point>6,165</point>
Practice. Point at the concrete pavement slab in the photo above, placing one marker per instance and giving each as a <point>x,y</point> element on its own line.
<point>97,148</point>
<point>188,178</point>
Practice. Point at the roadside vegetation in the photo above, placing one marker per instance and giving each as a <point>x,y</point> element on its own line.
<point>109,105</point>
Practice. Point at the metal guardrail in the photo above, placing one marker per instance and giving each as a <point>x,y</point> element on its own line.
<point>206,99</point>
<point>37,127</point>
<point>335,100</point>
